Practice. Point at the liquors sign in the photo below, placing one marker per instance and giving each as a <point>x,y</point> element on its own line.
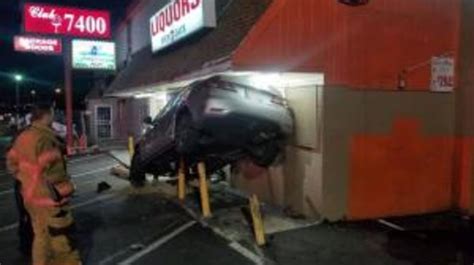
<point>179,19</point>
<point>38,45</point>
<point>49,19</point>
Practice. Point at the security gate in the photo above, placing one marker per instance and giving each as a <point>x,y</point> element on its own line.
<point>104,122</point>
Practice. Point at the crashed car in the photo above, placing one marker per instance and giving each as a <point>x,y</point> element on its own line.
<point>214,121</point>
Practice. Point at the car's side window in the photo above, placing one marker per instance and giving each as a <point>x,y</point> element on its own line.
<point>169,105</point>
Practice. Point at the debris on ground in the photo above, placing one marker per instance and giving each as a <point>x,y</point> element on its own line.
<point>103,186</point>
<point>120,171</point>
<point>137,247</point>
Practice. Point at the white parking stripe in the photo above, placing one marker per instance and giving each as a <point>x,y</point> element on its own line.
<point>122,252</point>
<point>73,176</point>
<point>8,227</point>
<point>89,202</point>
<point>160,242</point>
<point>92,172</point>
<point>246,253</point>
<point>391,225</point>
<point>76,206</point>
<point>86,158</point>
<point>10,191</point>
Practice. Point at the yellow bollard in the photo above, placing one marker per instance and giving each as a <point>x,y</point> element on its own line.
<point>257,220</point>
<point>131,147</point>
<point>204,191</point>
<point>182,180</point>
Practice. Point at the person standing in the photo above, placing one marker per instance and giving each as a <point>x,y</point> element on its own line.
<point>38,164</point>
<point>25,230</point>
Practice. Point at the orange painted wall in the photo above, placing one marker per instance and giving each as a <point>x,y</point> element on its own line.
<point>401,173</point>
<point>361,47</point>
<point>463,172</point>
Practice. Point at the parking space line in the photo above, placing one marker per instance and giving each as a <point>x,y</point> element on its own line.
<point>87,158</point>
<point>246,253</point>
<point>391,225</point>
<point>80,175</point>
<point>97,199</point>
<point>92,172</point>
<point>8,227</point>
<point>122,252</point>
<point>76,206</point>
<point>10,191</point>
<point>160,242</point>
<point>236,246</point>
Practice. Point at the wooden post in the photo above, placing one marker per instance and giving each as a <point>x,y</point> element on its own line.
<point>204,191</point>
<point>182,180</point>
<point>68,93</point>
<point>257,221</point>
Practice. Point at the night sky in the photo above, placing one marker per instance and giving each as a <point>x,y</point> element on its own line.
<point>42,73</point>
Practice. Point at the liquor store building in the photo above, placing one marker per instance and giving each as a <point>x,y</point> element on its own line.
<point>377,134</point>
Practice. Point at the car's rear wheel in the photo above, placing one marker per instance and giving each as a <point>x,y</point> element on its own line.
<point>187,136</point>
<point>137,172</point>
<point>265,154</point>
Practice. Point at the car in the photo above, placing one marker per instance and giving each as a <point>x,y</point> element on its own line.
<point>215,121</point>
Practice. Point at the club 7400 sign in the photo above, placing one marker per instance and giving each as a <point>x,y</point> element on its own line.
<point>56,20</point>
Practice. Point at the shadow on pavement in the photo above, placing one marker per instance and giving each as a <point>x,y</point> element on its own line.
<point>371,243</point>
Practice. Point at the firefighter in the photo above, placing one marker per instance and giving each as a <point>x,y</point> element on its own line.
<point>25,230</point>
<point>37,162</point>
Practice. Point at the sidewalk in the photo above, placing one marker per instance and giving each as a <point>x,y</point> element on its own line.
<point>121,155</point>
<point>371,243</point>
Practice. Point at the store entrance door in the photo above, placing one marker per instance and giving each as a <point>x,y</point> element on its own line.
<point>104,122</point>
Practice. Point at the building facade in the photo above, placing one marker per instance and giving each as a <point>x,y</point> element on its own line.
<point>372,138</point>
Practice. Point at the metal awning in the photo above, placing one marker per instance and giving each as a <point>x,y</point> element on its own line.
<point>199,56</point>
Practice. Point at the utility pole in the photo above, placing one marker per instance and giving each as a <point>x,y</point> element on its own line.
<point>18,79</point>
<point>68,94</point>
<point>17,105</point>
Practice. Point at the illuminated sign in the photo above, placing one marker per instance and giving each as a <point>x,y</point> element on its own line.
<point>38,45</point>
<point>93,55</point>
<point>49,19</point>
<point>179,19</point>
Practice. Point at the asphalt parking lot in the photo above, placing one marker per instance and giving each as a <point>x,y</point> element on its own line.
<point>120,226</point>
<point>126,226</point>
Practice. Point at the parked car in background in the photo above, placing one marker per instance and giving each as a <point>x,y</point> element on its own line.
<point>61,130</point>
<point>214,121</point>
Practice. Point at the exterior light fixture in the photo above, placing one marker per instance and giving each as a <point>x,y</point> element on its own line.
<point>354,2</point>
<point>18,78</point>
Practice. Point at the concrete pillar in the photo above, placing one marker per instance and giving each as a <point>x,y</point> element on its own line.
<point>465,92</point>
